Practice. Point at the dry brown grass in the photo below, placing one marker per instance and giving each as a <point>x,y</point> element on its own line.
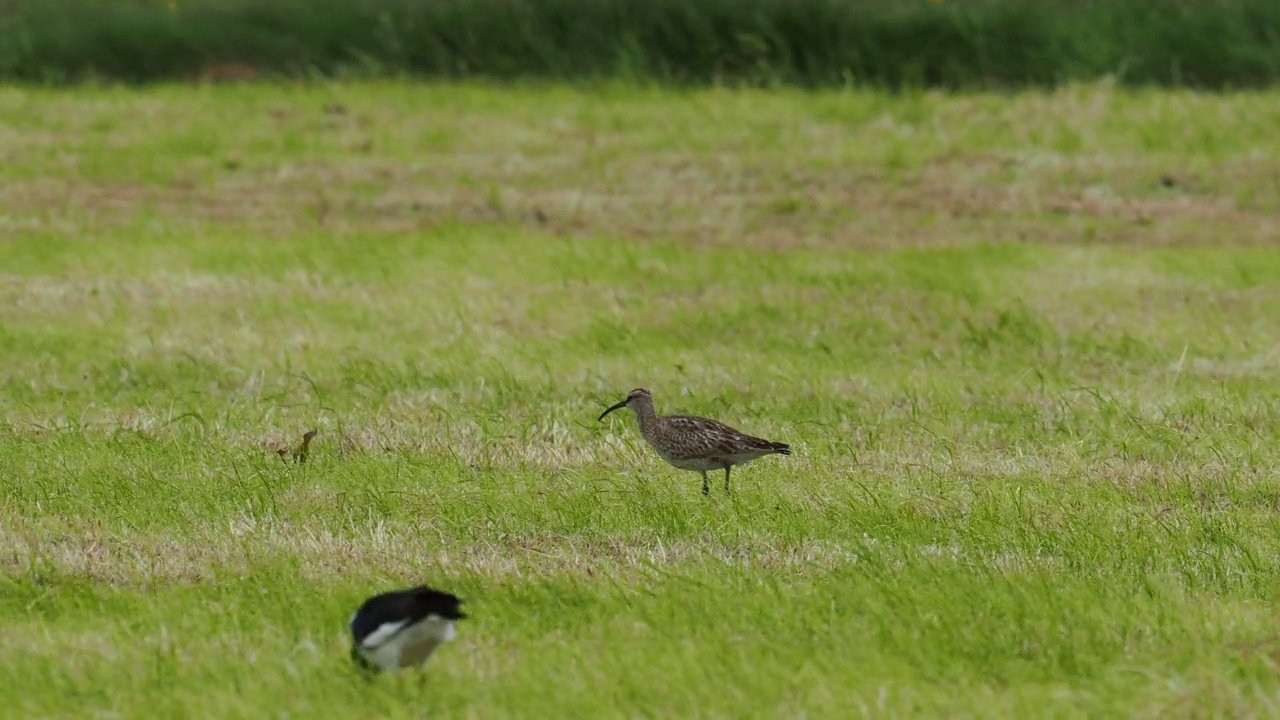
<point>238,546</point>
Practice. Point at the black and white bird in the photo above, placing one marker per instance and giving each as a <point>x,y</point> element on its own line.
<point>402,628</point>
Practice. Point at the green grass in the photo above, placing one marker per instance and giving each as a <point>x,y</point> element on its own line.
<point>1024,348</point>
<point>1216,44</point>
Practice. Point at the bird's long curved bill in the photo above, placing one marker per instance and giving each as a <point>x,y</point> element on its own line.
<point>615,407</point>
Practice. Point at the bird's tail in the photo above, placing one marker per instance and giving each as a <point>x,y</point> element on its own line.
<point>780,448</point>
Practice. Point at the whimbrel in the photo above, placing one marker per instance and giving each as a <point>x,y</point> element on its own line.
<point>403,627</point>
<point>695,443</point>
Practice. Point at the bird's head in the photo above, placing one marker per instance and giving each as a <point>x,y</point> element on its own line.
<point>638,395</point>
<point>436,602</point>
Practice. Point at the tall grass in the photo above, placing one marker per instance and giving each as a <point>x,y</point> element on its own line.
<point>988,43</point>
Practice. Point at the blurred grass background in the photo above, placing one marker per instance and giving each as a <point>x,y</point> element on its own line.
<point>881,43</point>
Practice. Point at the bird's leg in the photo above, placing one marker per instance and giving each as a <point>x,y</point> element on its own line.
<point>706,489</point>
<point>726,479</point>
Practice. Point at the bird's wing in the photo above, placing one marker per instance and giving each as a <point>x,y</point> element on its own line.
<point>383,633</point>
<point>382,616</point>
<point>703,437</point>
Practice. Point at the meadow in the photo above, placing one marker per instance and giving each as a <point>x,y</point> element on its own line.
<point>1024,348</point>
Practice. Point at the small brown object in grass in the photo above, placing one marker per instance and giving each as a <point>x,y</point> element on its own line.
<point>299,454</point>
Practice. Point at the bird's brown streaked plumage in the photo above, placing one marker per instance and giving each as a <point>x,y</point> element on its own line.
<point>695,443</point>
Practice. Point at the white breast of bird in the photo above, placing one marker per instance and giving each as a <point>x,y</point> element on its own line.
<point>396,645</point>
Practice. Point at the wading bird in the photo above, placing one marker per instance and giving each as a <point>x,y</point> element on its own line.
<point>695,443</point>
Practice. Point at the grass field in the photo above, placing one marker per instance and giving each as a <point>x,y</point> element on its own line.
<point>1025,349</point>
